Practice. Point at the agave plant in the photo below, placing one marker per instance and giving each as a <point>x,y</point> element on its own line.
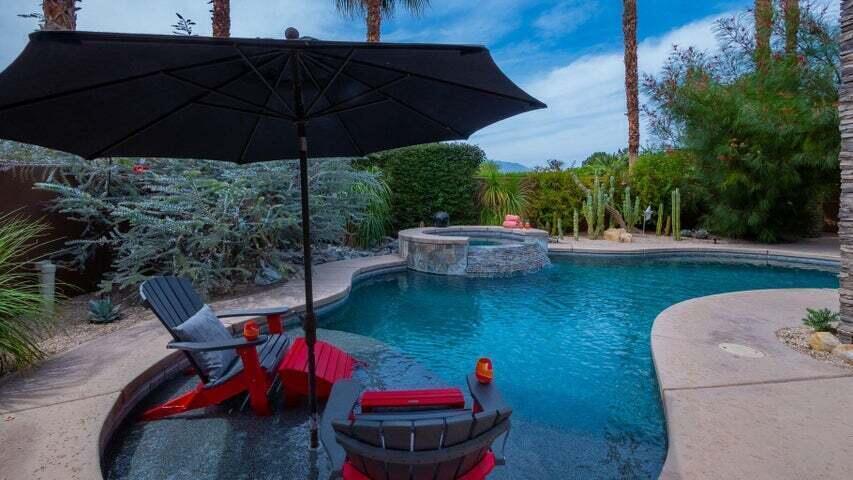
<point>499,195</point>
<point>21,305</point>
<point>103,310</point>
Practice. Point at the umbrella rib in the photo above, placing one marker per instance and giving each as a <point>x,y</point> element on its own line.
<point>110,83</point>
<point>263,79</point>
<point>168,114</point>
<point>397,101</point>
<point>337,117</point>
<point>259,115</point>
<point>251,137</point>
<point>360,95</point>
<point>325,89</point>
<point>436,79</point>
<point>264,108</point>
<point>327,112</point>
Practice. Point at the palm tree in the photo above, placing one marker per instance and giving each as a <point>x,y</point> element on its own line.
<point>221,18</point>
<point>375,9</point>
<point>791,11</point>
<point>845,224</point>
<point>632,92</point>
<point>59,14</point>
<point>763,12</point>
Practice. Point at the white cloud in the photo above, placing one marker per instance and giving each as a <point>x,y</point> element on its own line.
<point>586,103</point>
<point>565,17</point>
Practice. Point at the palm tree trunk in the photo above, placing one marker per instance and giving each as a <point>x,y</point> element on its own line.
<point>791,10</point>
<point>221,18</point>
<point>59,14</point>
<point>374,20</point>
<point>763,30</point>
<point>845,224</point>
<point>632,93</point>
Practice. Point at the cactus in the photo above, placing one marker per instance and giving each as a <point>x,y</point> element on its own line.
<point>630,210</point>
<point>659,227</point>
<point>559,228</point>
<point>576,225</point>
<point>676,215</point>
<point>103,311</point>
<point>666,228</point>
<point>548,227</point>
<point>612,195</point>
<point>594,208</point>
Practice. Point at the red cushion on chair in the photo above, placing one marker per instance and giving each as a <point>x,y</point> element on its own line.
<point>412,399</point>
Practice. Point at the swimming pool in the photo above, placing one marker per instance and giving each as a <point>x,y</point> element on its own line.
<point>570,347</point>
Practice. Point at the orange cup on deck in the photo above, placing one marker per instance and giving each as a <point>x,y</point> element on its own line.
<point>484,371</point>
<point>251,330</point>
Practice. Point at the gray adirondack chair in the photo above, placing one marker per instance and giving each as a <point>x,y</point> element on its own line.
<point>434,444</point>
<point>174,301</point>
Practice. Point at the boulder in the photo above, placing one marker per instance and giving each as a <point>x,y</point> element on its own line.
<point>823,341</point>
<point>844,351</point>
<point>618,235</point>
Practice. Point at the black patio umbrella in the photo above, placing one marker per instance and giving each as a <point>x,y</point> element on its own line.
<point>249,100</point>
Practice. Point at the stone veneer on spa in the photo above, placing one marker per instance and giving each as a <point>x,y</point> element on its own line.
<point>450,250</point>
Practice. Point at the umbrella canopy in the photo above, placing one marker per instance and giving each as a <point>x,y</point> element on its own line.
<point>249,100</point>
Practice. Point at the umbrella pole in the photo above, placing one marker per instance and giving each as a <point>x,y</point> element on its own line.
<point>310,323</point>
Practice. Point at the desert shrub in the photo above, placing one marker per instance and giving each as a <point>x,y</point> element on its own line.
<point>20,301</point>
<point>425,179</point>
<point>552,195</point>
<point>377,218</point>
<point>656,174</point>
<point>765,141</point>
<point>218,224</point>
<point>820,320</point>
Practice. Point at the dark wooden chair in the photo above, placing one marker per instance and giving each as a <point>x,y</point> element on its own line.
<point>450,444</point>
<point>173,300</point>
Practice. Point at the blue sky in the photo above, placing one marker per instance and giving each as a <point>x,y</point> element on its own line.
<point>567,53</point>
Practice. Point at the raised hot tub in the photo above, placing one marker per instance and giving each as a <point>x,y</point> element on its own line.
<point>479,251</point>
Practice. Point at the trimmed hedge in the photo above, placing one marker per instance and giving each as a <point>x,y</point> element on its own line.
<point>425,179</point>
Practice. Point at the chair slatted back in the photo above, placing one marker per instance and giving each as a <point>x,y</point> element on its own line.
<point>441,448</point>
<point>173,300</point>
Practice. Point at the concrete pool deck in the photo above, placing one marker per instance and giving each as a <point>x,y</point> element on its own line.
<point>765,411</point>
<point>57,417</point>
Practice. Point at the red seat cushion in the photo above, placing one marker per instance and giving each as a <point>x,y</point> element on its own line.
<point>332,364</point>
<point>409,400</point>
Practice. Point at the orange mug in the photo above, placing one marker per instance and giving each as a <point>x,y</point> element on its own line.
<point>251,330</point>
<point>484,371</point>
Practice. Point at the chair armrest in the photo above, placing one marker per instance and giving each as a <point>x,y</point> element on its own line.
<point>486,395</point>
<point>253,312</point>
<point>341,401</point>
<point>231,344</point>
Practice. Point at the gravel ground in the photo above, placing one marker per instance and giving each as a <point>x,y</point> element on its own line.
<point>798,339</point>
<point>72,327</point>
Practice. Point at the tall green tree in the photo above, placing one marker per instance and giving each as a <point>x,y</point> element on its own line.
<point>763,12</point>
<point>845,224</point>
<point>220,13</point>
<point>632,90</point>
<point>374,10</point>
<point>791,12</point>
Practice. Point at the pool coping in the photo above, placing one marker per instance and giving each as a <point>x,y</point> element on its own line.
<point>779,416</point>
<point>62,413</point>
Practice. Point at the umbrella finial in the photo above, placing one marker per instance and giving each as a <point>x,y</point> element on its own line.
<point>291,33</point>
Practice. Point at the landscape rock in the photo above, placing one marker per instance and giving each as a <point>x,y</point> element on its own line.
<point>701,234</point>
<point>823,341</point>
<point>844,352</point>
<point>618,235</point>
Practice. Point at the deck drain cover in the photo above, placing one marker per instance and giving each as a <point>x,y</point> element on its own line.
<point>741,350</point>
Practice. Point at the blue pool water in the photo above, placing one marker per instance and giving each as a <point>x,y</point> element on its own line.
<point>570,347</point>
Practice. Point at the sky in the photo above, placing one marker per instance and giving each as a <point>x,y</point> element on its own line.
<point>567,53</point>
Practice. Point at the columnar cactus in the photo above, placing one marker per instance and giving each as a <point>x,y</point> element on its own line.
<point>676,215</point>
<point>576,225</point>
<point>594,209</point>
<point>659,227</point>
